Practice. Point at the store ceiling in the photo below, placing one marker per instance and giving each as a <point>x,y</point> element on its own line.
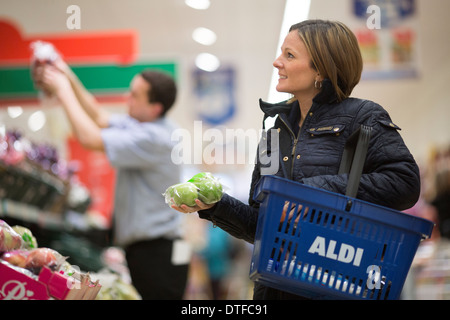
<point>165,26</point>
<point>245,27</point>
<point>247,31</point>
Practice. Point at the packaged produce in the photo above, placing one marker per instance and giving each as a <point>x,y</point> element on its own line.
<point>20,249</point>
<point>17,257</point>
<point>182,193</point>
<point>40,257</point>
<point>9,239</point>
<point>34,259</point>
<point>20,284</point>
<point>203,186</point>
<point>29,241</point>
<point>210,190</point>
<point>42,53</point>
<point>28,272</point>
<point>114,287</point>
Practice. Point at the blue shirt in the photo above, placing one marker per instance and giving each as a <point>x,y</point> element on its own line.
<point>141,154</point>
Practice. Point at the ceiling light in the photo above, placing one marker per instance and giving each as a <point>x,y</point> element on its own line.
<point>36,121</point>
<point>204,36</point>
<point>198,4</point>
<point>14,111</point>
<point>207,62</point>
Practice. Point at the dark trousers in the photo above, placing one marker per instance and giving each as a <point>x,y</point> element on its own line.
<point>152,272</point>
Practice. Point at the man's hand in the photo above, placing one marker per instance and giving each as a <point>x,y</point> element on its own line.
<point>54,81</point>
<point>62,66</point>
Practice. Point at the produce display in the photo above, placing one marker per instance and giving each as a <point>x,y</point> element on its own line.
<point>115,288</point>
<point>29,241</point>
<point>23,263</point>
<point>203,186</point>
<point>9,239</point>
<point>35,174</point>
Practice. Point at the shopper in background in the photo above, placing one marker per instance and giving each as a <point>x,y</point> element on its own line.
<point>320,64</point>
<point>217,255</point>
<point>441,200</point>
<point>139,146</point>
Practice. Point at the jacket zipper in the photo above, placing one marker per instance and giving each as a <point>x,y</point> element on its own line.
<point>295,145</point>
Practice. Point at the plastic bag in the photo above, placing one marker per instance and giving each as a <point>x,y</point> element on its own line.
<point>29,241</point>
<point>34,259</point>
<point>40,257</point>
<point>43,53</point>
<point>17,257</point>
<point>210,190</point>
<point>9,239</point>
<point>203,186</point>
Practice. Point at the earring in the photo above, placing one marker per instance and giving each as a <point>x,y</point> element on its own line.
<point>320,84</point>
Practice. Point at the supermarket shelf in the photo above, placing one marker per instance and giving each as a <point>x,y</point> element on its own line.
<point>32,214</point>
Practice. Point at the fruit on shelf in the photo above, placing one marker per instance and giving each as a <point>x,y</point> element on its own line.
<point>9,239</point>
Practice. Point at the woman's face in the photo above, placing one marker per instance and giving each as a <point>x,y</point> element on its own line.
<point>296,76</point>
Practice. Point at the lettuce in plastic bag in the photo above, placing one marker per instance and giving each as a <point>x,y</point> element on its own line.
<point>203,186</point>
<point>182,193</point>
<point>210,190</point>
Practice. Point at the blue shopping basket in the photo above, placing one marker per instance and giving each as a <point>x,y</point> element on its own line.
<point>324,245</point>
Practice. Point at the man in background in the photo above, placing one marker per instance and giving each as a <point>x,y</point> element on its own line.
<point>138,145</point>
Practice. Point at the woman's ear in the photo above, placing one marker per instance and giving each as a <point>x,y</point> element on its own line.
<point>319,78</point>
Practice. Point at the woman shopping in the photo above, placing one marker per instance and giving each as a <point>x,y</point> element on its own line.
<point>320,64</point>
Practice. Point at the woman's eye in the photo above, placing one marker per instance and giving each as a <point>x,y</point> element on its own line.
<point>290,55</point>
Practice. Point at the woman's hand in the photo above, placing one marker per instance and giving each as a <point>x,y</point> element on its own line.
<point>199,206</point>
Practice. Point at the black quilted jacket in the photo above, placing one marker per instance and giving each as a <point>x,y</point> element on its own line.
<point>312,155</point>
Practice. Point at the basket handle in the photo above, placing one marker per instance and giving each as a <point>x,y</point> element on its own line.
<point>353,158</point>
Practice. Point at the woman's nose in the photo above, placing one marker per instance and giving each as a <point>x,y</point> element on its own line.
<point>277,63</point>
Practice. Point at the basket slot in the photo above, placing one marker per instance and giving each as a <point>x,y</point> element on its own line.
<point>381,294</point>
<point>375,231</point>
<point>346,284</point>
<point>329,220</point>
<point>334,280</point>
<point>289,258</point>
<point>343,283</point>
<point>391,246</point>
<point>282,255</point>
<point>340,224</point>
<point>295,213</point>
<point>383,252</point>
<point>388,288</point>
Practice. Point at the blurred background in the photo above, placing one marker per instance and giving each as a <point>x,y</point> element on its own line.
<point>220,53</point>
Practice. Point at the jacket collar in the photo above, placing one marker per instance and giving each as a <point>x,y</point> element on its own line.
<point>326,95</point>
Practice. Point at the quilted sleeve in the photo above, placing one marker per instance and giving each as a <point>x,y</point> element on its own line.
<point>390,176</point>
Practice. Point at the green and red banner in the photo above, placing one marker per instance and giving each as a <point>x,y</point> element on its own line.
<point>104,61</point>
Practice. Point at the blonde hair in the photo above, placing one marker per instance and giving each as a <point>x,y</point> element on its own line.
<point>334,52</point>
